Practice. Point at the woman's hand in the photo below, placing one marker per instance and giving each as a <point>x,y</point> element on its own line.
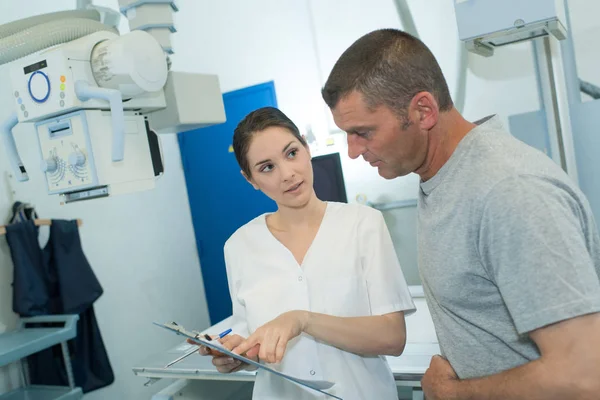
<point>270,340</point>
<point>223,362</point>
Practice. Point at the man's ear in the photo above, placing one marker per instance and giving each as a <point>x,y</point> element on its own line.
<point>249,180</point>
<point>427,109</point>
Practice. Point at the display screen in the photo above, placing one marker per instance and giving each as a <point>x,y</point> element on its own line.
<point>34,67</point>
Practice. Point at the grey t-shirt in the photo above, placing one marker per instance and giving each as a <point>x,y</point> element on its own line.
<point>507,244</point>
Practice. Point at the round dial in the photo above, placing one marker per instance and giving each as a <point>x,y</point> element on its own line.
<point>77,158</point>
<point>49,165</point>
<point>39,86</point>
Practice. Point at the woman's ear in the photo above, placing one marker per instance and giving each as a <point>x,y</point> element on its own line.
<point>249,180</point>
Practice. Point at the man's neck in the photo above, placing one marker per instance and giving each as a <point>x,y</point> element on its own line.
<point>442,142</point>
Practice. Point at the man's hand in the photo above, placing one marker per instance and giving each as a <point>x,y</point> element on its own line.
<point>270,340</point>
<point>439,380</point>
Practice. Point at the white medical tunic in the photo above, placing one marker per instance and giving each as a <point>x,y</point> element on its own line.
<point>350,270</point>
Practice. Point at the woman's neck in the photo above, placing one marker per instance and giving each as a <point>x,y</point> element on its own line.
<point>306,216</point>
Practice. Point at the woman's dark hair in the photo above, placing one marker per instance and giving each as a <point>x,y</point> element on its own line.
<point>257,121</point>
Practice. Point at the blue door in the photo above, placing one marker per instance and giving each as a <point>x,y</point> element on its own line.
<point>220,198</point>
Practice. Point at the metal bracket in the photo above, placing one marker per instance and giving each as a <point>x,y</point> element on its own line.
<point>152,381</point>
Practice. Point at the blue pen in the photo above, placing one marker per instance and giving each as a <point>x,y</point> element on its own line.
<point>219,336</point>
<point>225,333</point>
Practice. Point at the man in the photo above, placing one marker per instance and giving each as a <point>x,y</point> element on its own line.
<point>509,253</point>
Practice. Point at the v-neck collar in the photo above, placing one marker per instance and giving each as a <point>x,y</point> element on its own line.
<point>284,247</point>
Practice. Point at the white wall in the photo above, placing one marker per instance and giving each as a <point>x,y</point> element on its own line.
<point>9,377</point>
<point>143,252</point>
<point>249,42</point>
<point>141,247</point>
<point>586,31</point>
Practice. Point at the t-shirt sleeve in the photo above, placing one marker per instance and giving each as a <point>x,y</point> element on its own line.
<point>386,285</point>
<point>532,240</point>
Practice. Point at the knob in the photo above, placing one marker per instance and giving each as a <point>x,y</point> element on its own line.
<point>49,165</point>
<point>77,158</point>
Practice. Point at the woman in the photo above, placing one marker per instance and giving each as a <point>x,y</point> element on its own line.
<point>316,284</point>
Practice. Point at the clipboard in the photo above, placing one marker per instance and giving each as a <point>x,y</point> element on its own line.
<point>319,386</point>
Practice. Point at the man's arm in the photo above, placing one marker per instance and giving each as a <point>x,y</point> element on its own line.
<point>569,368</point>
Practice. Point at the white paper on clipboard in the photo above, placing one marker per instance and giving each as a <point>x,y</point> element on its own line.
<point>318,385</point>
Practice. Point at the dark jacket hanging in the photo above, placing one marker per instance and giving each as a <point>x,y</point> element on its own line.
<point>59,280</point>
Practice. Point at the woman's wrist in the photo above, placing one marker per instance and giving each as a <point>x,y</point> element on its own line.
<point>305,320</point>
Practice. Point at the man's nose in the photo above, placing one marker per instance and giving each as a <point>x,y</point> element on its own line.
<point>354,148</point>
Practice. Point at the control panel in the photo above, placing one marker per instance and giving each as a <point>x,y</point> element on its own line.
<point>41,87</point>
<point>67,159</point>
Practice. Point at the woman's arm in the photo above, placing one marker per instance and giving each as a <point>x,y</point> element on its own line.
<point>367,336</point>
